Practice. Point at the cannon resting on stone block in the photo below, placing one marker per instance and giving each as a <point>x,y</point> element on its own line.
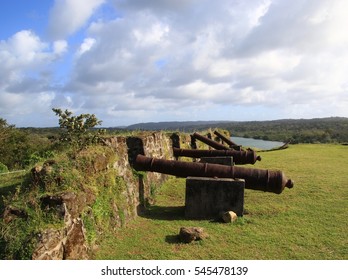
<point>256,179</point>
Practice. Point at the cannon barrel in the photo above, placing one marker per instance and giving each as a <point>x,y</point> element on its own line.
<point>257,179</point>
<point>209,142</point>
<point>239,157</point>
<point>225,139</point>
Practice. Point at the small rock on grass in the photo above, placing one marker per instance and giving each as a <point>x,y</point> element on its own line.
<point>229,217</point>
<point>189,234</point>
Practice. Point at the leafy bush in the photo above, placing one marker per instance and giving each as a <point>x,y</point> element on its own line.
<point>19,147</point>
<point>78,130</point>
<point>3,168</point>
<point>38,156</point>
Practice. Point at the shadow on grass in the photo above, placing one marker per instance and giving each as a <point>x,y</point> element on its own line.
<point>8,189</point>
<point>173,239</point>
<point>166,213</point>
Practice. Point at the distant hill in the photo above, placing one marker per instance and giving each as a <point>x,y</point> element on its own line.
<point>318,130</point>
<point>186,125</point>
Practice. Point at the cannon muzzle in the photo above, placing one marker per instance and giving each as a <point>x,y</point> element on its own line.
<point>256,179</point>
<point>239,157</point>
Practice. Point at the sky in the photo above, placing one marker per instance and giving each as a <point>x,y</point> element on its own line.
<point>131,61</point>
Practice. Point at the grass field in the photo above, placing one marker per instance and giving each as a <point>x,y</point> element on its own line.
<point>306,222</point>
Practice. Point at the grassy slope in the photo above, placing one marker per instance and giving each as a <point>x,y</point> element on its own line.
<point>306,222</point>
<point>8,183</point>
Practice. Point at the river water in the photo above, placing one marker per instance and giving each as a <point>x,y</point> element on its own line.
<point>256,143</point>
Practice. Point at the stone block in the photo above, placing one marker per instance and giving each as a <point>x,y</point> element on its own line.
<point>218,160</point>
<point>206,198</point>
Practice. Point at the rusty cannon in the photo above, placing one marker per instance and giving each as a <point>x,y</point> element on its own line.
<point>225,139</point>
<point>257,179</point>
<point>209,142</point>
<point>239,157</point>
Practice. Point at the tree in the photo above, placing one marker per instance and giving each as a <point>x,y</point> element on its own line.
<point>78,131</point>
<point>5,130</point>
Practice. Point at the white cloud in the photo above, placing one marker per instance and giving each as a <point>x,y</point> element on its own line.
<point>60,47</point>
<point>236,53</point>
<point>152,36</point>
<point>16,104</point>
<point>26,85</point>
<point>166,59</point>
<point>22,52</point>
<point>23,48</point>
<point>86,45</point>
<point>68,16</point>
<point>308,27</point>
<point>25,43</point>
<point>156,5</point>
<point>202,91</point>
<point>25,54</point>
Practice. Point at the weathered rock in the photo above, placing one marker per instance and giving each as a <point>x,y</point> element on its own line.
<point>53,204</point>
<point>100,163</point>
<point>75,247</point>
<point>50,245</point>
<point>47,169</point>
<point>36,169</point>
<point>12,213</point>
<point>70,201</point>
<point>41,173</point>
<point>229,217</point>
<point>35,173</point>
<point>69,242</point>
<point>64,244</point>
<point>189,234</point>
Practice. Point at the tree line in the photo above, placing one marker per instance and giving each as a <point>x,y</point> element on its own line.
<point>22,147</point>
<point>318,130</point>
<point>322,130</point>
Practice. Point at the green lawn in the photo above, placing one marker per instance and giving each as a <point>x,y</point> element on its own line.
<point>306,222</point>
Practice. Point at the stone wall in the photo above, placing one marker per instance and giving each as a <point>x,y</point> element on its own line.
<point>69,202</point>
<point>70,242</point>
<point>140,187</point>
